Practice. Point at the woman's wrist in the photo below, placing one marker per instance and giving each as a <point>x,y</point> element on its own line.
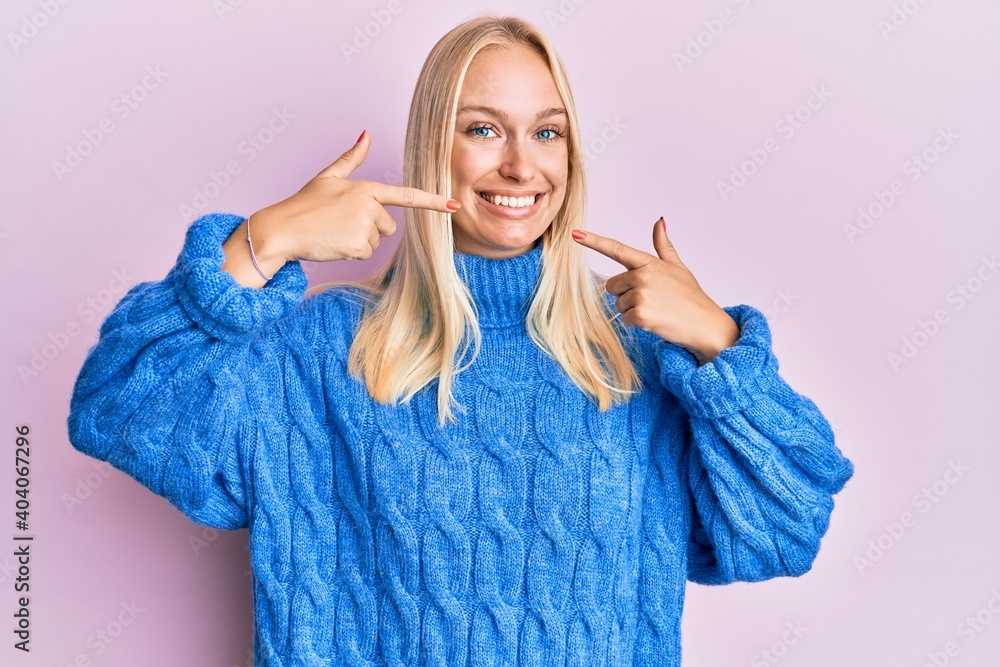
<point>720,338</point>
<point>253,262</point>
<point>265,242</point>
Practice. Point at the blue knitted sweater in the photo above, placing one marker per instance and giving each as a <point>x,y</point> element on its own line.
<point>536,531</point>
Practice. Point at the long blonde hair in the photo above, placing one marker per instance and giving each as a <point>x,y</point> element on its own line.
<point>419,313</point>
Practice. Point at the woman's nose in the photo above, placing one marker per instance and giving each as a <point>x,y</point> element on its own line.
<point>516,162</point>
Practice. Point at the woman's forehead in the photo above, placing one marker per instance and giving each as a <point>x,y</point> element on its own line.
<point>504,83</point>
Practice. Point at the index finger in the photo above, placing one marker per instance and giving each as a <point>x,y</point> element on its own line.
<point>626,255</point>
<point>397,195</point>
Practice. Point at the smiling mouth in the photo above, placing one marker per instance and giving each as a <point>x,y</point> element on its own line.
<point>510,202</point>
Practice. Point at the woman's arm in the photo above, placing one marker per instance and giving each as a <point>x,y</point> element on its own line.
<point>759,460</point>
<point>161,395</point>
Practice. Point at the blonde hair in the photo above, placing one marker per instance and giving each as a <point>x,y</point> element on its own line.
<point>424,314</point>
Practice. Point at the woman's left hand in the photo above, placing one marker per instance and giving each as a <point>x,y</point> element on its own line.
<point>659,294</point>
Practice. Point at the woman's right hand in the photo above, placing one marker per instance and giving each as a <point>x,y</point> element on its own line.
<point>333,217</point>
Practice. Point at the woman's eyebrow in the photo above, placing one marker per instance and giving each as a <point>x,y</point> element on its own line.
<point>499,113</point>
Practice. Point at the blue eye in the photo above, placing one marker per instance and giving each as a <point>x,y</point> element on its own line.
<point>475,131</point>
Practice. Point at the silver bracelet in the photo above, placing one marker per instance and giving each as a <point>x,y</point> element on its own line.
<point>253,256</point>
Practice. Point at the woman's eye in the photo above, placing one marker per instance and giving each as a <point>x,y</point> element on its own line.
<point>482,132</point>
<point>475,131</point>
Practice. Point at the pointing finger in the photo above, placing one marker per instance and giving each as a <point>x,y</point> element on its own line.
<point>395,195</point>
<point>626,255</point>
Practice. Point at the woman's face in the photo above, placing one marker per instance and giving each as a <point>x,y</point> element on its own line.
<point>510,139</point>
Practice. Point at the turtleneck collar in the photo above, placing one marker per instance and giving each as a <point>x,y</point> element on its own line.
<point>502,288</point>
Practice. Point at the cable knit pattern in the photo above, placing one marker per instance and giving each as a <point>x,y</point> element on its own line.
<point>218,304</point>
<point>535,531</point>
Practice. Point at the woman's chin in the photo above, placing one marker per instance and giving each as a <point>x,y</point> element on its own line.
<point>497,247</point>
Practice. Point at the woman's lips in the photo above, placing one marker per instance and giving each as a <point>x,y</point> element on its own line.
<point>511,213</point>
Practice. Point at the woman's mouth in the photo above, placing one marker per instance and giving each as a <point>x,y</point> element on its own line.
<point>510,206</point>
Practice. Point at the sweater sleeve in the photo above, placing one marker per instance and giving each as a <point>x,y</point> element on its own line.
<point>161,395</point>
<point>759,460</point>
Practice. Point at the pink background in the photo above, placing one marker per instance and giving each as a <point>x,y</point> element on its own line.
<point>662,135</point>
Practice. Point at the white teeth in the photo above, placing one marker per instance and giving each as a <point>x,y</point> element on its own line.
<point>510,202</point>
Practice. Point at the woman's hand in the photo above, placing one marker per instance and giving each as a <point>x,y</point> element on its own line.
<point>333,218</point>
<point>659,294</point>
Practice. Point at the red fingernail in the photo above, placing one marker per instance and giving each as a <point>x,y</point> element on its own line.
<point>361,135</point>
<point>579,235</point>
<point>663,223</point>
<point>453,204</point>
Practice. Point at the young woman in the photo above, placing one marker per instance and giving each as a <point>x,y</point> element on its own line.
<point>484,454</point>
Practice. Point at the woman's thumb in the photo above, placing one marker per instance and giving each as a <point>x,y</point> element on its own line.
<point>350,160</point>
